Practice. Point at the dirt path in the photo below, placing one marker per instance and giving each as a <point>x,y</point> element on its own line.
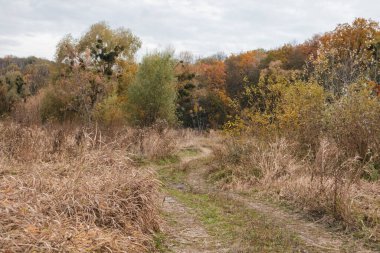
<point>187,234</point>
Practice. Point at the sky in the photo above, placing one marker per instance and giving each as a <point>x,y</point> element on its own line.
<point>203,27</point>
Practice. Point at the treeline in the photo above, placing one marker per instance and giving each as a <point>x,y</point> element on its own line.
<point>95,78</point>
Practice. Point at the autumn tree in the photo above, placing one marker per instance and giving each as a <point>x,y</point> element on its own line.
<point>66,51</point>
<point>213,74</point>
<point>256,107</point>
<point>215,102</point>
<point>238,67</point>
<point>101,63</point>
<point>100,48</point>
<point>292,56</point>
<point>346,55</point>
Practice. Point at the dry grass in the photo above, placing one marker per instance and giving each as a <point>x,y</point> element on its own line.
<point>29,111</point>
<point>328,185</point>
<point>52,141</point>
<point>77,190</point>
<point>245,163</point>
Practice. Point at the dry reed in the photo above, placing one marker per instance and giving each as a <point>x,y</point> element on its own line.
<point>73,191</point>
<point>328,184</point>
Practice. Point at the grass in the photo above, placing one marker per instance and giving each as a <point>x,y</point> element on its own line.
<point>159,242</point>
<point>188,152</point>
<point>175,158</point>
<point>171,174</point>
<point>167,160</point>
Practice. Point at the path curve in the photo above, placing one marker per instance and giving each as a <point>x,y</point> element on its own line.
<point>185,233</point>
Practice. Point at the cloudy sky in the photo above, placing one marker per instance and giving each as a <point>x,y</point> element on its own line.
<point>33,27</point>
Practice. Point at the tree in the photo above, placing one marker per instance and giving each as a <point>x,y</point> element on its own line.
<point>94,73</point>
<point>238,67</point>
<point>292,57</point>
<point>186,89</point>
<point>100,48</point>
<point>213,75</point>
<point>120,37</point>
<point>213,100</point>
<point>347,55</point>
<point>152,95</point>
<point>66,51</point>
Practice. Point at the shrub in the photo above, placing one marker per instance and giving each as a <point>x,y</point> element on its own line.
<point>110,112</point>
<point>300,112</point>
<point>353,122</point>
<point>12,90</point>
<point>53,104</point>
<point>75,96</point>
<point>29,112</point>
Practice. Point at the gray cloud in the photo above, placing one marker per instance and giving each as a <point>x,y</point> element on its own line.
<point>33,27</point>
<point>8,42</point>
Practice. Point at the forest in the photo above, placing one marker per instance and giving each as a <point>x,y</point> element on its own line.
<point>94,143</point>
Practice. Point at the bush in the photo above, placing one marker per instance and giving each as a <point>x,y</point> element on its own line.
<point>29,111</point>
<point>53,104</point>
<point>75,96</point>
<point>109,112</point>
<point>300,112</point>
<point>12,90</point>
<point>354,123</point>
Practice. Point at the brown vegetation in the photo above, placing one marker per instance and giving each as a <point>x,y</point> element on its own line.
<point>330,185</point>
<point>302,124</point>
<point>76,190</point>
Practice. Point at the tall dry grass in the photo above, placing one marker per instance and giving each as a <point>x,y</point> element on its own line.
<point>53,141</point>
<point>327,185</point>
<point>78,190</point>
